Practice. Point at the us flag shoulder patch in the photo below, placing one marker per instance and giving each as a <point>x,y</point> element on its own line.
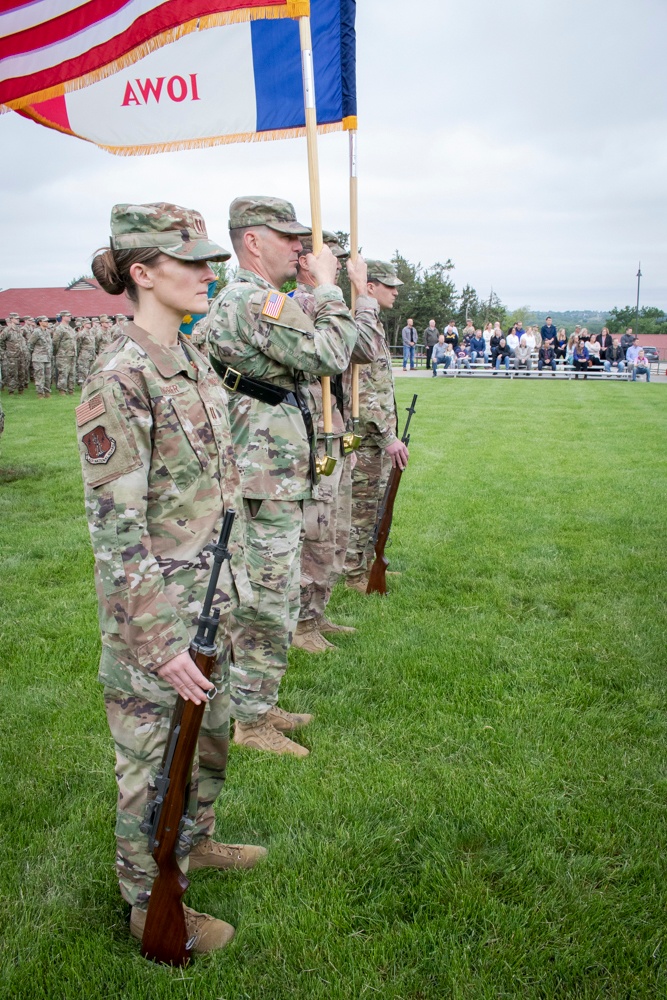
<point>273,305</point>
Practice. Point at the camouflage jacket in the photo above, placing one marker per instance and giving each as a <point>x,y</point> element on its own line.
<point>377,407</point>
<point>85,343</point>
<point>263,333</point>
<point>40,345</point>
<point>64,342</point>
<point>369,329</point>
<point>159,471</point>
<point>11,341</point>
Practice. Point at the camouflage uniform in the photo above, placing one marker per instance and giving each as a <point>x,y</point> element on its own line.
<point>85,352</point>
<point>12,346</point>
<point>198,335</point>
<point>40,351</point>
<point>64,351</point>
<point>272,447</point>
<point>378,427</point>
<point>28,330</point>
<point>326,517</point>
<point>159,472</point>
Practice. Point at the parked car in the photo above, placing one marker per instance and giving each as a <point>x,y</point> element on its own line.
<point>651,353</point>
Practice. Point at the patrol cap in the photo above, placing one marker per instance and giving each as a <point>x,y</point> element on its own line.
<point>257,210</point>
<point>121,316</point>
<point>13,316</point>
<point>330,240</point>
<point>42,319</point>
<point>383,272</point>
<point>28,319</point>
<point>175,231</point>
<point>64,312</point>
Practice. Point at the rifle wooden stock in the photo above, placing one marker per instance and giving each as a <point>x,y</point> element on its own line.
<point>377,578</point>
<point>165,938</point>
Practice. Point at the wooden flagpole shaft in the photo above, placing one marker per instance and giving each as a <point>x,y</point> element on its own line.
<point>327,465</point>
<point>354,253</point>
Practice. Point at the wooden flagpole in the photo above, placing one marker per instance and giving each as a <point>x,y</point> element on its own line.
<point>326,465</point>
<point>354,440</point>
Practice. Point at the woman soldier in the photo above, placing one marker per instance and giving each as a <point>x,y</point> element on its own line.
<point>159,472</point>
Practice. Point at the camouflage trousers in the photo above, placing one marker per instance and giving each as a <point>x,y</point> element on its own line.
<point>83,364</point>
<point>66,368</point>
<point>368,483</point>
<point>12,372</point>
<point>42,372</point>
<point>326,529</point>
<point>262,633</point>
<point>139,729</point>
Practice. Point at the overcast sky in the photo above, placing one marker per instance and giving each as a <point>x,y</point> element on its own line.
<point>525,139</point>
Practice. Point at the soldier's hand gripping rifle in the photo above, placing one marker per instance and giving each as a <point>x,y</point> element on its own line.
<point>377,578</point>
<point>165,938</point>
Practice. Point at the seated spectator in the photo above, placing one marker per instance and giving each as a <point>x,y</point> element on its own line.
<point>571,345</point>
<point>631,353</point>
<point>580,359</point>
<point>522,355</point>
<point>519,330</point>
<point>512,341</point>
<point>494,343</point>
<point>530,338</point>
<point>488,333</point>
<point>627,341</point>
<point>547,356</point>
<point>560,345</point>
<point>606,342</point>
<point>538,337</point>
<point>501,355</point>
<point>641,366</point>
<point>584,335</point>
<point>462,359</point>
<point>614,357</point>
<point>594,352</point>
<point>451,335</point>
<point>440,356</point>
<point>468,332</point>
<point>548,332</point>
<point>478,347</point>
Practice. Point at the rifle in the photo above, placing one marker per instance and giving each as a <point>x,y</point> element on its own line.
<point>165,937</point>
<point>377,578</point>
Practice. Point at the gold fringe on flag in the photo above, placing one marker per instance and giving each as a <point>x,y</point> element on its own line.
<point>197,24</point>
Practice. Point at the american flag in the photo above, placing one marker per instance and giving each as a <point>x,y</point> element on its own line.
<point>48,47</point>
<point>274,305</point>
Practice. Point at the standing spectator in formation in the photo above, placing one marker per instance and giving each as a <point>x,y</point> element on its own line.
<point>614,356</point>
<point>409,335</point>
<point>627,341</point>
<point>580,358</point>
<point>561,343</point>
<point>440,355</point>
<point>64,350</point>
<point>451,335</point>
<point>641,366</point>
<point>478,346</point>
<point>462,359</point>
<point>530,339</point>
<point>513,341</point>
<point>85,351</point>
<point>501,355</point>
<point>522,356</point>
<point>40,350</point>
<point>548,332</point>
<point>594,352</point>
<point>605,341</point>
<point>547,357</point>
<point>431,334</point>
<point>11,351</point>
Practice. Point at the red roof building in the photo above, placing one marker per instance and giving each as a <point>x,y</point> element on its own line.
<point>83,297</point>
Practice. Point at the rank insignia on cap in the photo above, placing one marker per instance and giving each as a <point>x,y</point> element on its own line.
<point>274,305</point>
<point>99,447</point>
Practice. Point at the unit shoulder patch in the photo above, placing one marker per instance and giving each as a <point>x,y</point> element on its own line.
<point>99,446</point>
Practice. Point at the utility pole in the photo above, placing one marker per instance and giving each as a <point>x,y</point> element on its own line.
<point>639,278</point>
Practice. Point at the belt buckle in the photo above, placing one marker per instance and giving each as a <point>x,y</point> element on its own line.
<point>233,371</point>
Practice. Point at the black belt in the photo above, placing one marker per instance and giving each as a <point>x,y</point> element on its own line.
<point>267,392</point>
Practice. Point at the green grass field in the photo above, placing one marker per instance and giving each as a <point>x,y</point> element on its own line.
<point>483,814</point>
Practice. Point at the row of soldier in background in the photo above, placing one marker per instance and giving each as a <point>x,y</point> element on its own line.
<point>58,354</point>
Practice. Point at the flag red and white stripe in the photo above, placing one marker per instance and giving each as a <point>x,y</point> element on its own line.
<point>49,47</point>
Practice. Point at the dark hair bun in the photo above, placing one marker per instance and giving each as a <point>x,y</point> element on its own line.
<point>106,272</point>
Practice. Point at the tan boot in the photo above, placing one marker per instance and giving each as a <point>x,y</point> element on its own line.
<point>261,735</point>
<point>209,933</point>
<point>287,722</point>
<point>308,637</point>
<point>210,854</point>
<point>331,628</point>
<point>358,583</point>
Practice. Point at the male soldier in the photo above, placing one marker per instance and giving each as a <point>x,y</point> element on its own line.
<point>85,351</point>
<point>326,517</point>
<point>104,334</point>
<point>263,347</point>
<point>117,329</point>
<point>26,330</point>
<point>40,350</point>
<point>64,350</point>
<point>380,447</point>
<point>12,346</point>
